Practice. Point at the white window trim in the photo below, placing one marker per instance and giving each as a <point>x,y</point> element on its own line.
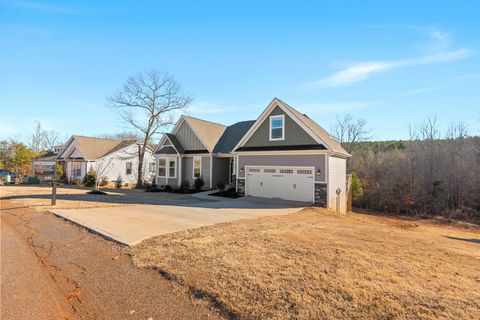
<point>193,167</point>
<point>126,168</point>
<point>168,168</point>
<point>282,116</point>
<point>166,165</point>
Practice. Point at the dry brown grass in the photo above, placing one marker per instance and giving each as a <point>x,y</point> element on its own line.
<point>39,197</point>
<point>318,265</point>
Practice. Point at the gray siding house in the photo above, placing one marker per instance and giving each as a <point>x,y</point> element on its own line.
<point>283,154</point>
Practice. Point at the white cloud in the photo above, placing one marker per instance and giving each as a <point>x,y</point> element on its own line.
<point>361,71</point>
<point>417,91</point>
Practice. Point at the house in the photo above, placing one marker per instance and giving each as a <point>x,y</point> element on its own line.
<point>44,165</point>
<point>283,154</point>
<point>112,158</point>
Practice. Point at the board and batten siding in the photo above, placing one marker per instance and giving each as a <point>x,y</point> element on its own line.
<point>316,161</point>
<point>188,139</point>
<point>337,172</point>
<point>187,173</point>
<point>294,134</point>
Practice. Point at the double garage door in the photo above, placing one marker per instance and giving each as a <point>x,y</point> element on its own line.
<point>289,183</point>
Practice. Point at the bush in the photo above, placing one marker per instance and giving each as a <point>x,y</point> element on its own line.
<point>185,186</point>
<point>90,178</point>
<point>357,186</point>
<point>77,182</point>
<point>103,181</point>
<point>118,182</point>
<point>168,188</point>
<point>221,186</point>
<point>199,183</point>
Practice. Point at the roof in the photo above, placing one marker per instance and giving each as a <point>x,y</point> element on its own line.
<point>173,139</point>
<point>208,132</point>
<point>49,156</point>
<point>333,143</point>
<point>231,136</point>
<point>93,148</point>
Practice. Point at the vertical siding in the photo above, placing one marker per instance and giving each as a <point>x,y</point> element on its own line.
<point>337,170</point>
<point>187,173</point>
<point>294,134</point>
<point>220,169</point>
<point>188,138</point>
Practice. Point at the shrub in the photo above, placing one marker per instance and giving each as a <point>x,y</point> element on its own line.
<point>126,185</point>
<point>77,182</point>
<point>221,186</point>
<point>185,186</point>
<point>199,183</point>
<point>103,181</point>
<point>168,188</point>
<point>357,186</point>
<point>90,178</point>
<point>118,182</point>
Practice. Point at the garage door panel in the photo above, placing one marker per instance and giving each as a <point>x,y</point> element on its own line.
<point>280,182</point>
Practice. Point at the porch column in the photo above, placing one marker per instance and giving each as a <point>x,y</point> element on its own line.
<point>179,170</point>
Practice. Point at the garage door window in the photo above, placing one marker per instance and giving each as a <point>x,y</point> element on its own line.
<point>269,170</point>
<point>286,171</point>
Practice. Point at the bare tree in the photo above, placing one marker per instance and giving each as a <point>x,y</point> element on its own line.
<point>50,139</point>
<point>148,102</point>
<point>124,135</point>
<point>42,140</point>
<point>36,138</point>
<point>350,131</point>
<point>101,168</point>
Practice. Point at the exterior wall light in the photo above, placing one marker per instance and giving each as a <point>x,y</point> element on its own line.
<point>241,170</point>
<point>318,173</point>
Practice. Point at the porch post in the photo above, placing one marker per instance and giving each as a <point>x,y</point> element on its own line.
<point>179,170</point>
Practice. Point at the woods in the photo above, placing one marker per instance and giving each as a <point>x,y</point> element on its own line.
<point>431,174</point>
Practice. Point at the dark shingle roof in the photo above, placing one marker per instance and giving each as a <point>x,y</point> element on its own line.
<point>231,136</point>
<point>173,139</point>
<point>50,156</point>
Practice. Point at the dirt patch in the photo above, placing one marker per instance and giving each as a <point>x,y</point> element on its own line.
<point>315,264</point>
<point>95,277</point>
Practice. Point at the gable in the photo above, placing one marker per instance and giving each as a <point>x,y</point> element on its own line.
<point>188,139</point>
<point>294,134</point>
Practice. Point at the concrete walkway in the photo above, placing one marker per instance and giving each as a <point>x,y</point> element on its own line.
<point>130,225</point>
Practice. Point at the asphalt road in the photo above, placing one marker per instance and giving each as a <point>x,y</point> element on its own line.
<point>53,269</point>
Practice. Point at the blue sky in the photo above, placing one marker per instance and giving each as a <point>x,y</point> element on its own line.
<point>391,63</point>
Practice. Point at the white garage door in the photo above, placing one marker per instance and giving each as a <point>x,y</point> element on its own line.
<point>290,183</point>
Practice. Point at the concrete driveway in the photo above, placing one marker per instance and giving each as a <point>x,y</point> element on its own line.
<point>130,225</point>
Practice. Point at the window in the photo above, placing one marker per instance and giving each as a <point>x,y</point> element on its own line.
<point>253,170</point>
<point>286,171</point>
<point>129,168</point>
<point>76,169</point>
<point>197,167</point>
<point>301,171</point>
<point>172,168</point>
<point>162,167</point>
<point>277,127</point>
<point>151,167</point>
<point>269,170</point>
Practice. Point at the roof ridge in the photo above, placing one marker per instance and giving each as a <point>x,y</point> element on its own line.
<point>219,124</point>
<point>82,136</point>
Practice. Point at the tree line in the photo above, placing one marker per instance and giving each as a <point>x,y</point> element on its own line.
<point>434,173</point>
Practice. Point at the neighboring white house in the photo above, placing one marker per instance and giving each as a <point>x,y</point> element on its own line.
<point>112,158</point>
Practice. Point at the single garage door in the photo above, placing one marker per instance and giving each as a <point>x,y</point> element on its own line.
<point>289,183</point>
